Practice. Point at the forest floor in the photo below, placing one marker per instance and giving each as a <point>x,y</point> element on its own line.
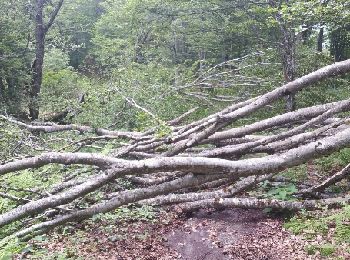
<point>149,233</point>
<point>205,235</point>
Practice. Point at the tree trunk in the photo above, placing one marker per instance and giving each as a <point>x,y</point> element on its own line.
<point>2,90</point>
<point>288,62</point>
<point>180,175</point>
<point>37,67</point>
<point>39,60</point>
<point>10,88</point>
<point>320,40</point>
<point>287,50</point>
<point>339,43</point>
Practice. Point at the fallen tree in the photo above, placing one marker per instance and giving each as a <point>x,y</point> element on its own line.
<point>206,163</point>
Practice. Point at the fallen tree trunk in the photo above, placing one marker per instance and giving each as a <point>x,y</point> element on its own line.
<point>203,166</point>
<point>181,163</point>
<point>328,182</point>
<point>252,203</point>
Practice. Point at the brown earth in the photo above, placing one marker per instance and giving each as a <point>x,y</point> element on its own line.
<point>235,234</point>
<point>206,235</point>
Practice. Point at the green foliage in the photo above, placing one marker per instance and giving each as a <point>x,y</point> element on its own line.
<point>65,253</point>
<point>309,224</point>
<point>56,60</point>
<point>14,55</point>
<point>297,173</point>
<point>306,225</point>
<point>159,44</point>
<point>9,139</point>
<point>12,248</point>
<point>148,85</point>
<point>72,31</point>
<point>112,51</point>
<point>129,214</point>
<point>310,249</point>
<point>282,192</point>
<point>325,250</point>
<point>125,183</point>
<point>24,180</point>
<point>321,224</point>
<point>125,33</point>
<point>145,213</point>
<point>60,90</point>
<point>334,161</point>
<point>341,220</point>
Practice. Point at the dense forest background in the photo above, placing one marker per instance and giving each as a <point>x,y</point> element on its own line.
<point>158,53</point>
<point>97,95</point>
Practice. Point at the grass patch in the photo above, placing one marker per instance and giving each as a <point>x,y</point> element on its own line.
<point>327,250</point>
<point>333,226</point>
<point>297,173</point>
<point>327,164</point>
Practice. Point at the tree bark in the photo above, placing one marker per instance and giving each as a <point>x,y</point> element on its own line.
<point>289,64</point>
<point>320,39</point>
<point>39,60</point>
<point>37,74</point>
<point>339,43</point>
<point>253,203</point>
<point>185,174</point>
<point>287,50</point>
<point>208,168</point>
<point>2,89</point>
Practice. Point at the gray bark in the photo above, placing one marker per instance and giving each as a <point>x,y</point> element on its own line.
<point>252,203</point>
<point>165,171</point>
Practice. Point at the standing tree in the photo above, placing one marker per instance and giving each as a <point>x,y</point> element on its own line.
<point>287,49</point>
<point>41,30</point>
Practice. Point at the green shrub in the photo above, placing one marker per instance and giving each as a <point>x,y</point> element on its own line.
<point>282,192</point>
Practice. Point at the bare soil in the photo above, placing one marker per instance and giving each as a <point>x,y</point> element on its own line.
<point>235,234</point>
<point>206,235</point>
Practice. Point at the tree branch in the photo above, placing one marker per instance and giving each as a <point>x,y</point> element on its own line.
<point>53,15</point>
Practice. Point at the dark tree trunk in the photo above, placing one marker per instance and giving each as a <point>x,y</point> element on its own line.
<point>10,88</point>
<point>40,34</point>
<point>320,40</point>
<point>39,60</point>
<point>2,90</point>
<point>340,44</point>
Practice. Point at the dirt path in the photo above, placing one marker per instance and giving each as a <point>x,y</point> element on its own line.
<point>234,234</point>
<point>206,235</point>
